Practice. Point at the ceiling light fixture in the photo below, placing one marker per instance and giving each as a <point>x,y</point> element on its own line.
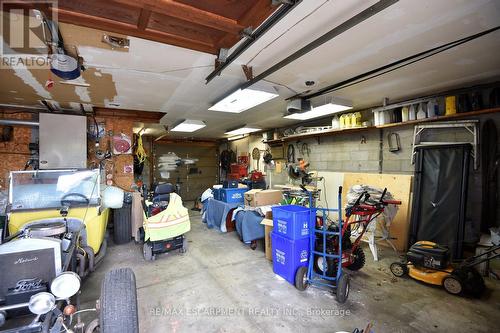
<point>319,111</point>
<point>242,100</point>
<point>243,130</point>
<point>236,137</point>
<point>188,125</point>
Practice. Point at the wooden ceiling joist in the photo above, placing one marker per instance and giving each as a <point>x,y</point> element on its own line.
<point>132,30</point>
<point>204,26</point>
<point>187,13</point>
<point>144,19</point>
<point>258,13</point>
<point>136,115</point>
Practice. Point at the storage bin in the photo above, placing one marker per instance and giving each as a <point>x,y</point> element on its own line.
<point>233,195</point>
<point>291,221</point>
<point>240,169</point>
<point>288,255</point>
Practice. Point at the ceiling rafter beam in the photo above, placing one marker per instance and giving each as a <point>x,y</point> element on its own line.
<point>142,24</point>
<point>95,22</point>
<point>188,13</point>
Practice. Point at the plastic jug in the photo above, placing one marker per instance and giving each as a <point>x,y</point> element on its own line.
<point>382,117</point>
<point>376,118</point>
<point>342,121</point>
<point>451,105</point>
<point>404,113</point>
<point>335,122</point>
<point>412,113</point>
<point>397,115</point>
<point>347,120</point>
<point>355,121</point>
<point>431,108</point>
<point>421,111</point>
<point>357,116</point>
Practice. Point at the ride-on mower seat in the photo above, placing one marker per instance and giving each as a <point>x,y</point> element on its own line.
<point>162,192</point>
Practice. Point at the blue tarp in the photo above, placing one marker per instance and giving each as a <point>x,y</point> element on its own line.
<point>215,213</point>
<point>248,225</point>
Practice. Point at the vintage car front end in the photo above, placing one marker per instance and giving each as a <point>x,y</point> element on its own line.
<point>56,236</point>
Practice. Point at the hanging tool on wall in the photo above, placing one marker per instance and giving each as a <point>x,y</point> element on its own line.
<point>394,142</point>
<point>6,133</point>
<point>268,157</point>
<point>305,150</point>
<point>140,154</point>
<point>226,158</point>
<point>256,156</point>
<point>290,154</point>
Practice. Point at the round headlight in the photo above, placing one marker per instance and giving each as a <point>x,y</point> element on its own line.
<point>41,303</point>
<point>65,285</point>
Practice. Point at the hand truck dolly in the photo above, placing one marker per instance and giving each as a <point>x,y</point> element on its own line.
<point>318,245</point>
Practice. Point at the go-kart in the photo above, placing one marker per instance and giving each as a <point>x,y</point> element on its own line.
<point>55,236</point>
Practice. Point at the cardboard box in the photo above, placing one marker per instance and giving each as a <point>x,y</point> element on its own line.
<point>256,198</point>
<point>268,227</point>
<point>250,196</point>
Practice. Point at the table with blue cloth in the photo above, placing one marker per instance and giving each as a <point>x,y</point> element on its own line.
<point>215,213</point>
<point>248,225</point>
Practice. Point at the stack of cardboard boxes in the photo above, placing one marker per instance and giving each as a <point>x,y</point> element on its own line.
<point>259,198</point>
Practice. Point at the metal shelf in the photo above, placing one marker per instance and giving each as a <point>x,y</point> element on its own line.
<point>361,129</point>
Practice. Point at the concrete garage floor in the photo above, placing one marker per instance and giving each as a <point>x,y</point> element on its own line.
<point>191,292</point>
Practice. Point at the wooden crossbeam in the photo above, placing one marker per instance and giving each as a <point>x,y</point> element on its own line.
<point>95,22</point>
<point>187,13</point>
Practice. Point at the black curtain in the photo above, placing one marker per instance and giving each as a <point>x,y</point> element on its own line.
<point>439,195</point>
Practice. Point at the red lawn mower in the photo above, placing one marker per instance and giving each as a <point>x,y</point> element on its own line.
<point>360,214</point>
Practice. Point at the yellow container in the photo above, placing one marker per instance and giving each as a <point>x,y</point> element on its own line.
<point>451,105</point>
<point>353,120</point>
<point>347,120</point>
<point>357,119</point>
<point>342,121</point>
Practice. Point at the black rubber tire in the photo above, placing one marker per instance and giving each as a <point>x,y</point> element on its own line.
<point>118,303</point>
<point>331,266</point>
<point>359,260</point>
<point>453,284</point>
<point>342,290</point>
<point>147,252</point>
<point>122,224</point>
<point>300,281</point>
<point>398,269</point>
<point>472,281</point>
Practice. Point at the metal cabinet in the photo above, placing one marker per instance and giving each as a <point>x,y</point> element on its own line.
<point>63,141</point>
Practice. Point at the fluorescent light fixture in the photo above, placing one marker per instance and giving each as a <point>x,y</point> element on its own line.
<point>188,126</point>
<point>319,111</point>
<point>243,130</point>
<point>236,137</point>
<point>242,100</point>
